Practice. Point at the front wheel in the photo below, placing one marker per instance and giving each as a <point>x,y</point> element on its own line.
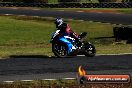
<point>90,50</point>
<point>60,49</point>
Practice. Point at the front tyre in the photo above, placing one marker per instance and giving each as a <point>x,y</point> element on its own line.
<point>60,49</point>
<point>90,50</point>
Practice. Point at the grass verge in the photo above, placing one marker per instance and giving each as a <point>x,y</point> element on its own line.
<point>23,35</point>
<point>62,84</point>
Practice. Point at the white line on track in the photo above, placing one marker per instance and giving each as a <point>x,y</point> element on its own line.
<point>69,78</point>
<point>8,81</point>
<point>80,55</point>
<point>49,79</point>
<point>26,80</point>
<point>8,14</point>
<point>41,79</point>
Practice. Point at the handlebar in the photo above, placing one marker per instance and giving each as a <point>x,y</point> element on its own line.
<point>82,35</point>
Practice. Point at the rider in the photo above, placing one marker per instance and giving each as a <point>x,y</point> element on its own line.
<point>64,31</point>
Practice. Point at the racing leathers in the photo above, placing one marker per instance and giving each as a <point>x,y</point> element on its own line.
<point>64,33</point>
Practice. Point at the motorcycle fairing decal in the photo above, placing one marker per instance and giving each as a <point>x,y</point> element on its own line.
<point>55,33</point>
<point>63,39</point>
<point>69,37</point>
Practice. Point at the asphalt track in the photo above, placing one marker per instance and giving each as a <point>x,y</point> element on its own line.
<point>113,18</point>
<point>42,67</point>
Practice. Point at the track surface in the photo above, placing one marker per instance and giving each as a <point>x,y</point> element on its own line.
<point>23,68</point>
<point>90,16</point>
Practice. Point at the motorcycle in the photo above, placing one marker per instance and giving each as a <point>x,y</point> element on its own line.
<point>61,50</point>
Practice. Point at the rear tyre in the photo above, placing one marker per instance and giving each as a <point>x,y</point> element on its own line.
<point>90,50</point>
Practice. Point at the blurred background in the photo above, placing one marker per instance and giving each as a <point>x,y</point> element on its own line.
<point>67,1</point>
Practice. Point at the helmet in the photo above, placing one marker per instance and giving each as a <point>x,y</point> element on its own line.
<point>58,22</point>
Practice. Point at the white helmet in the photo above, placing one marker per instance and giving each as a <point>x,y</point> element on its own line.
<point>58,22</point>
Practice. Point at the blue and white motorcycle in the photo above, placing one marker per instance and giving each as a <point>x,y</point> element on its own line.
<point>60,49</point>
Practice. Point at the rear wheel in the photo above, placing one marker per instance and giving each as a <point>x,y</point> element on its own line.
<point>90,50</point>
<point>60,49</point>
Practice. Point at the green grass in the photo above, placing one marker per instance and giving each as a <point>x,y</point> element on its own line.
<point>18,31</point>
<point>62,84</point>
<point>52,1</point>
<point>126,11</point>
<point>21,35</point>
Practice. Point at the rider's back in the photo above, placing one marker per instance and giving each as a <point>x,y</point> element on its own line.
<point>64,29</point>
